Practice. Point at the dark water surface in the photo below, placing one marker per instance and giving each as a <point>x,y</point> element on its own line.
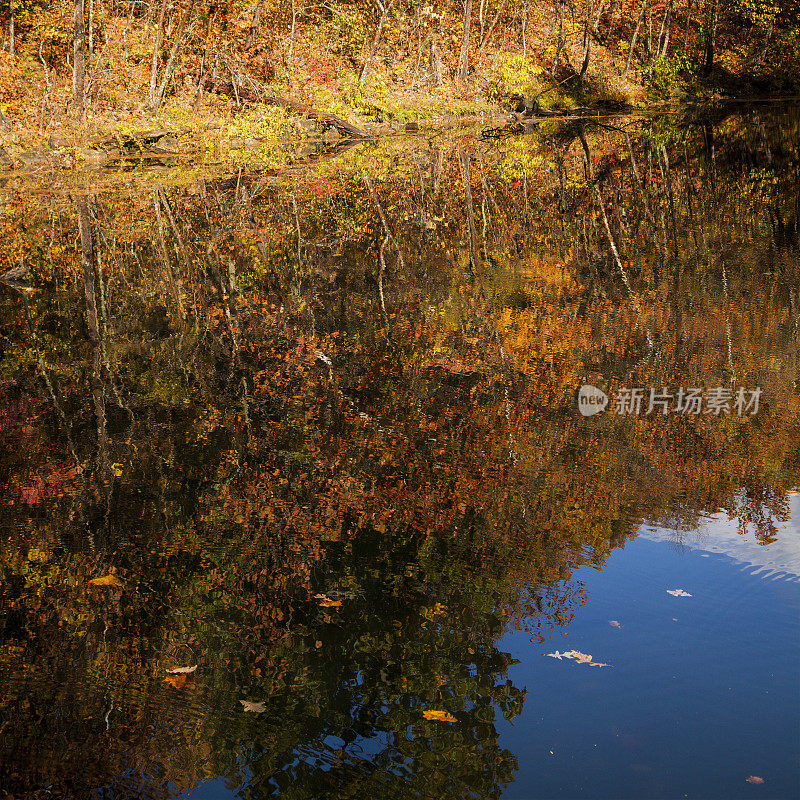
<point>314,440</point>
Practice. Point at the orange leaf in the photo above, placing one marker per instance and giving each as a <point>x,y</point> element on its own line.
<point>326,602</point>
<point>179,681</point>
<point>439,716</point>
<point>106,580</point>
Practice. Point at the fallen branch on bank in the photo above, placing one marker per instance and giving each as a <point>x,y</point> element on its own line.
<point>239,92</point>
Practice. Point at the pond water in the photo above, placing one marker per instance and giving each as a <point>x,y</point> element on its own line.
<point>457,465</point>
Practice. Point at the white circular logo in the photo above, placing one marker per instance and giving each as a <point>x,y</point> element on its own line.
<point>591,400</point>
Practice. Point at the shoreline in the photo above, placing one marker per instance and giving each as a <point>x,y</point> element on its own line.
<point>210,143</point>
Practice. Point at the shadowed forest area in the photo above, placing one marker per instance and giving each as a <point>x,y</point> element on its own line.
<point>316,432</point>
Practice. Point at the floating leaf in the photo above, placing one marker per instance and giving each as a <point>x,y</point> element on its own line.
<point>755,779</point>
<point>678,593</point>
<point>326,602</point>
<point>179,681</point>
<point>576,655</point>
<point>614,624</point>
<point>256,708</point>
<point>439,716</point>
<point>182,670</point>
<point>106,580</point>
<point>581,658</point>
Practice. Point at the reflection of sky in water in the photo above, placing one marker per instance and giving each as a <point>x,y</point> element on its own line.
<point>718,534</point>
<point>704,690</point>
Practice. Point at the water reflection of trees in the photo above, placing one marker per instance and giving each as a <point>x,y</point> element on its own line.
<point>240,394</point>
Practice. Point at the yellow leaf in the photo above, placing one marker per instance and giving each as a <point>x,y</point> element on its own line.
<point>106,580</point>
<point>439,716</point>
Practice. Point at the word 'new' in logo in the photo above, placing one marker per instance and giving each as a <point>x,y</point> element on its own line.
<point>591,400</point>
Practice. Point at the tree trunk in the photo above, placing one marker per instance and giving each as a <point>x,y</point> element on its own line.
<point>247,94</point>
<point>560,43</point>
<point>466,180</point>
<point>587,53</point>
<point>665,29</point>
<point>156,101</point>
<point>156,54</point>
<point>464,61</point>
<point>79,61</point>
<point>711,35</point>
<point>384,9</point>
<point>634,38</point>
<point>255,26</point>
<point>434,67</point>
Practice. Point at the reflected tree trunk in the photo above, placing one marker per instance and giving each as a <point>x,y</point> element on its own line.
<point>98,392</point>
<point>466,180</point>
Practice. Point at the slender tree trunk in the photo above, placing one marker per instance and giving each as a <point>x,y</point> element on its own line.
<point>634,37</point>
<point>156,54</point>
<point>587,43</point>
<point>711,35</point>
<point>525,31</point>
<point>766,41</point>
<point>466,180</point>
<point>600,8</point>
<point>291,35</point>
<point>464,61</point>
<point>434,66</point>
<point>11,20</point>
<point>79,61</point>
<point>384,9</point>
<point>98,394</point>
<point>156,102</point>
<point>560,43</point>
<point>665,29</point>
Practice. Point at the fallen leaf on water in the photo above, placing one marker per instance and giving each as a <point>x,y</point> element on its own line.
<point>326,602</point>
<point>576,655</point>
<point>106,580</point>
<point>256,708</point>
<point>179,681</point>
<point>581,658</point>
<point>755,779</point>
<point>678,593</point>
<point>614,624</point>
<point>439,716</point>
<point>182,670</point>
